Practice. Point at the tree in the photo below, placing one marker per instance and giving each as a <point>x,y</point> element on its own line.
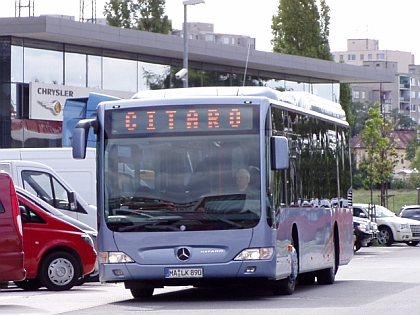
<point>412,152</point>
<point>346,102</point>
<point>360,113</point>
<point>118,13</point>
<point>299,29</point>
<point>415,162</point>
<point>411,149</point>
<point>381,155</point>
<point>400,121</point>
<point>143,15</point>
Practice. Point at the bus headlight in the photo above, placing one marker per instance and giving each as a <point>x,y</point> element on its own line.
<point>114,258</point>
<point>255,254</point>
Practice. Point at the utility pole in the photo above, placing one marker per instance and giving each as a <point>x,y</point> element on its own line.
<point>19,6</point>
<point>92,19</point>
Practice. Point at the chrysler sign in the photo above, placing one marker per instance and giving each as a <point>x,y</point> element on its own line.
<point>46,101</point>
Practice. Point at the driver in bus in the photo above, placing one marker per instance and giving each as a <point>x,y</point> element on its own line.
<point>243,178</point>
<point>244,185</point>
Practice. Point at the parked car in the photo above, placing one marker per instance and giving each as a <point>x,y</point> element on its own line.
<point>57,253</point>
<point>366,232</point>
<point>410,212</point>
<point>391,227</point>
<point>11,236</point>
<point>94,276</point>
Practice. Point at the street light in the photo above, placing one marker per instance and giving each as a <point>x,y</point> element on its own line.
<point>186,3</point>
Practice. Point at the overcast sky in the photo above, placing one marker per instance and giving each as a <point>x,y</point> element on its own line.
<point>395,26</point>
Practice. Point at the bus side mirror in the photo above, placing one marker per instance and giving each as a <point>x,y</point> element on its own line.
<point>279,153</point>
<point>78,143</point>
<point>80,137</point>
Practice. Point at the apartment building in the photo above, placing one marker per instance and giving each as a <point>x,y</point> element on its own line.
<point>403,94</point>
<point>205,32</point>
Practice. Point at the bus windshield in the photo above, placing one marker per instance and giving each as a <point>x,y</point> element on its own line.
<point>187,182</point>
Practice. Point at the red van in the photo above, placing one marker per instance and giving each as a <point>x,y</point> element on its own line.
<point>57,253</point>
<point>11,238</point>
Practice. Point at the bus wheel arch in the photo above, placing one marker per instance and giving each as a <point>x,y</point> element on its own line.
<point>287,286</point>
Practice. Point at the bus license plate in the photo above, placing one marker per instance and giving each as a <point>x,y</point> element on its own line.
<point>184,273</point>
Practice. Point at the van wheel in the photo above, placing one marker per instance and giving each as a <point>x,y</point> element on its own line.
<point>4,285</point>
<point>28,284</point>
<point>59,271</point>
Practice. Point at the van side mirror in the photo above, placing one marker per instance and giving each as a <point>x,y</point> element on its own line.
<point>72,200</point>
<point>24,214</point>
<point>279,153</point>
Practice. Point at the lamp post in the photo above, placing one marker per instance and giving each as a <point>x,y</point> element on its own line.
<point>418,196</point>
<point>185,64</point>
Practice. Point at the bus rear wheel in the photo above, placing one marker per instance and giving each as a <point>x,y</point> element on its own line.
<point>327,276</point>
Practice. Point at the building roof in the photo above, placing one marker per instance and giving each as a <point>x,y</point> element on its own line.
<point>167,49</point>
<point>401,136</point>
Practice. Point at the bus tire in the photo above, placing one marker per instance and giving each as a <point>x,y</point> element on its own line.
<point>287,286</point>
<point>306,278</point>
<point>59,271</point>
<point>142,292</point>
<point>327,276</point>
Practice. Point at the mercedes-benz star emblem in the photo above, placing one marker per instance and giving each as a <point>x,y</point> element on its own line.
<point>183,254</point>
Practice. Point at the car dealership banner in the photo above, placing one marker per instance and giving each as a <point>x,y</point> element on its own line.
<point>46,101</point>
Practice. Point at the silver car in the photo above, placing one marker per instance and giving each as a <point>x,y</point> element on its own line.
<point>392,229</point>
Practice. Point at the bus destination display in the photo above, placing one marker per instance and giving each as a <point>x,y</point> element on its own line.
<point>187,119</point>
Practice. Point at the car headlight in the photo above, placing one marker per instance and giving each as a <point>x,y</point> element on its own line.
<point>363,227</point>
<point>256,254</point>
<point>87,239</point>
<point>114,258</point>
<point>404,226</point>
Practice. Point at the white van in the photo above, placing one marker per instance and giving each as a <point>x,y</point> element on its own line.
<point>80,174</point>
<point>42,181</point>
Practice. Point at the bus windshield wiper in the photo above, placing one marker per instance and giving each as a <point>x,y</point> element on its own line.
<point>146,225</point>
<point>240,226</point>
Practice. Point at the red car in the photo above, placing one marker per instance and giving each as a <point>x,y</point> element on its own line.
<point>57,253</point>
<point>11,238</point>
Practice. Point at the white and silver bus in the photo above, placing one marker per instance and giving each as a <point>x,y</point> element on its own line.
<point>212,186</point>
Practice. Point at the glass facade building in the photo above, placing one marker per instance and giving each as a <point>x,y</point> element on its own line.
<point>37,74</point>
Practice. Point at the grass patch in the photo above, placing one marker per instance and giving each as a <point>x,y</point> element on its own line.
<point>397,198</point>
